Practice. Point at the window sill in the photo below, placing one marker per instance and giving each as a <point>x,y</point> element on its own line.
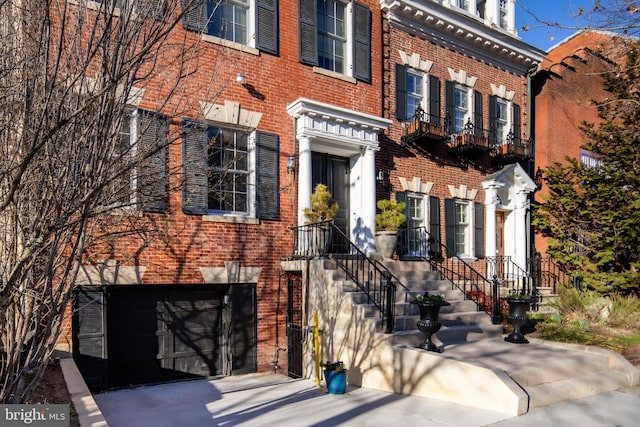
<point>232,45</point>
<point>465,258</point>
<point>335,75</point>
<point>230,219</point>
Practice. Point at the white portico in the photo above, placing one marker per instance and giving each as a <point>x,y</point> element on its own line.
<point>506,212</point>
<point>324,128</point>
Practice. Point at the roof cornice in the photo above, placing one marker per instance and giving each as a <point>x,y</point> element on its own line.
<point>463,33</point>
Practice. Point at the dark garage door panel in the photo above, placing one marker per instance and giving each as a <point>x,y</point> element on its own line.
<point>163,333</point>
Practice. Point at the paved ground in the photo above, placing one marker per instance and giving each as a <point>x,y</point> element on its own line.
<point>273,399</point>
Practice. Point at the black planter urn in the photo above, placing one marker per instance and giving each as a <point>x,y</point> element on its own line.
<point>428,323</point>
<point>517,318</point>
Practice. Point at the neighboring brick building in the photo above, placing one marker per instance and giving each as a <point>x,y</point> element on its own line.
<point>462,163</point>
<point>566,88</point>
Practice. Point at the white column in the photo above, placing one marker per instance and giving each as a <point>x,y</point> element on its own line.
<point>304,177</point>
<point>520,227</point>
<point>369,200</point>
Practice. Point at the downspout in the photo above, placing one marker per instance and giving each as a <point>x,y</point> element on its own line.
<point>531,73</point>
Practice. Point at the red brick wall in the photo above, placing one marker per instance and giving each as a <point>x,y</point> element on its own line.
<point>185,243</point>
<point>401,161</point>
<point>568,83</point>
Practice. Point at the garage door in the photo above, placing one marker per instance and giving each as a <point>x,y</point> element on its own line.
<point>127,335</point>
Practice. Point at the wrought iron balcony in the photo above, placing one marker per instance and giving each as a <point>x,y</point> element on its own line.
<point>470,140</point>
<point>425,129</point>
<point>512,149</point>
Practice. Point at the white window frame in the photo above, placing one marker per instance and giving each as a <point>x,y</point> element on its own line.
<point>251,173</point>
<point>469,229</point>
<point>348,54</point>
<point>424,201</point>
<point>468,109</point>
<point>250,23</point>
<point>414,95</point>
<point>507,122</point>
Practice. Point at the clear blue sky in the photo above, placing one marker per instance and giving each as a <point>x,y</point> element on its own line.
<point>560,11</point>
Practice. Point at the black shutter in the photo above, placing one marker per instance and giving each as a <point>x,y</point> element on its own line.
<point>194,167</point>
<point>477,113</point>
<point>244,342</point>
<point>89,336</point>
<point>152,174</point>
<point>449,104</point>
<point>493,120</point>
<point>159,9</point>
<point>267,23</point>
<point>267,175</point>
<point>307,32</point>
<point>516,124</point>
<point>195,16</point>
<point>362,43</point>
<point>478,225</point>
<point>450,227</point>
<point>434,100</point>
<point>401,92</point>
<point>434,227</point>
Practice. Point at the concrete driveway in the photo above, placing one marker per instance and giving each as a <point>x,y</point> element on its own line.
<point>274,399</point>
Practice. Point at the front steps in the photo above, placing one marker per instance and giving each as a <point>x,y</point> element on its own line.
<point>477,368</point>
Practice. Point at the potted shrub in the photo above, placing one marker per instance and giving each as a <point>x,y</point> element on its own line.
<point>429,305</point>
<point>519,304</point>
<point>389,219</point>
<point>335,376</point>
<point>317,216</point>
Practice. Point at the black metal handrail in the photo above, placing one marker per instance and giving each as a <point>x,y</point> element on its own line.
<point>370,276</point>
<point>547,273</point>
<point>418,243</point>
<point>510,274</point>
<point>513,277</point>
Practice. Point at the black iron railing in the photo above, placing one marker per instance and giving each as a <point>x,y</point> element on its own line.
<point>422,125</point>
<point>371,277</point>
<point>547,273</point>
<point>512,147</point>
<point>510,275</point>
<point>470,138</point>
<point>418,243</point>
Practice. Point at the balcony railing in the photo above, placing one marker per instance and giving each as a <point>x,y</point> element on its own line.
<point>470,139</point>
<point>426,128</point>
<point>513,148</point>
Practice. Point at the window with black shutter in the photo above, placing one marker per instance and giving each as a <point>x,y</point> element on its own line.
<point>235,21</point>
<point>323,39</point>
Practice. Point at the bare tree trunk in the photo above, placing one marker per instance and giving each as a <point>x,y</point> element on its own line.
<point>69,73</point>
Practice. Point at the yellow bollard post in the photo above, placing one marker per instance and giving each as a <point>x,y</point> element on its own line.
<point>316,343</point>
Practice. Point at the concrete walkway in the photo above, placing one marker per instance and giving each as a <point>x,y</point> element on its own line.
<point>274,399</point>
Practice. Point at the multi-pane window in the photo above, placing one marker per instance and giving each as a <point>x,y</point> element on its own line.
<point>229,20</point>
<point>462,227</point>
<point>461,110</point>
<point>463,4</point>
<point>332,35</point>
<point>480,5</point>
<point>590,159</point>
<point>415,91</point>
<point>120,187</point>
<point>504,14</point>
<point>415,211</point>
<point>502,120</point>
<point>228,170</point>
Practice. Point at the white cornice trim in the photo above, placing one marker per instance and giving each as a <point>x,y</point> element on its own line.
<point>463,33</point>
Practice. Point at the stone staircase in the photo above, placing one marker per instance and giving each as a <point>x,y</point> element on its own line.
<point>477,367</point>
